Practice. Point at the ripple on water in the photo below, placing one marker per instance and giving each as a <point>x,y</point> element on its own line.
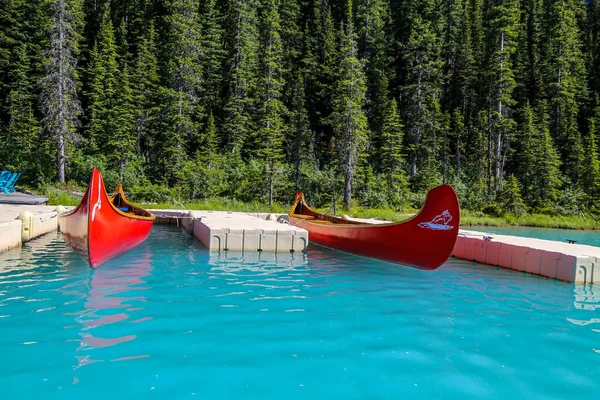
<point>170,319</point>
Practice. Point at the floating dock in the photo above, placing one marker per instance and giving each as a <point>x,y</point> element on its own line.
<point>21,223</point>
<point>557,260</point>
<point>260,232</point>
<point>218,230</point>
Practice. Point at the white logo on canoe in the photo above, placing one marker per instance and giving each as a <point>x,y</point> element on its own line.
<point>439,223</point>
<point>98,204</point>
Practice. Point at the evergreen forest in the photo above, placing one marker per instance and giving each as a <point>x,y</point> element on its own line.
<point>364,102</point>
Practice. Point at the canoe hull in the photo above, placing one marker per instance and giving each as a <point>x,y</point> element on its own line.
<point>425,241</point>
<point>97,230</point>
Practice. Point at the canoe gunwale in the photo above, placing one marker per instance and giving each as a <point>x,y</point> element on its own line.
<point>336,222</point>
<point>87,227</point>
<point>424,241</point>
<point>119,191</point>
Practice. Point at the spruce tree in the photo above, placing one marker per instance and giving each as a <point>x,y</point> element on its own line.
<point>123,142</point>
<point>146,95</point>
<point>212,55</point>
<point>502,43</point>
<point>299,139</point>
<point>271,112</point>
<point>421,94</point>
<point>348,119</point>
<point>547,165</point>
<point>59,102</point>
<point>375,45</point>
<point>525,159</point>
<point>565,81</point>
<point>20,149</point>
<point>591,166</point>
<point>243,64</point>
<point>528,54</point>
<point>179,134</point>
<point>107,127</point>
<point>392,133</point>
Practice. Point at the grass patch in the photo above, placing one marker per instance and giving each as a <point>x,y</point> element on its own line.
<point>533,220</point>
<point>64,196</point>
<point>60,197</point>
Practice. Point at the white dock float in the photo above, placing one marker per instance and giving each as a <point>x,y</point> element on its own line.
<point>220,231</point>
<point>21,223</point>
<point>568,262</point>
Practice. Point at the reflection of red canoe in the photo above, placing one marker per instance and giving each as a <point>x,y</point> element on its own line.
<point>101,228</point>
<point>424,241</point>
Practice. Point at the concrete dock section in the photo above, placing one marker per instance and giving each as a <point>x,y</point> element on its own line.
<point>21,223</point>
<point>250,233</point>
<point>563,261</point>
<point>220,230</point>
<point>217,230</point>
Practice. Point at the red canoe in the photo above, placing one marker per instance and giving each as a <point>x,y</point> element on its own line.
<point>424,241</point>
<point>102,228</point>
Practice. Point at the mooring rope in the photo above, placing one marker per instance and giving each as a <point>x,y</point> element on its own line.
<point>21,223</point>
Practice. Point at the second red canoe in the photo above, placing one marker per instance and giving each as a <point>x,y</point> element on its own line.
<point>102,228</point>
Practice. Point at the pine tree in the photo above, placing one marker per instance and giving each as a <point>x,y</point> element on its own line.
<point>547,166</point>
<point>181,97</point>
<point>59,102</point>
<point>591,164</point>
<point>299,139</point>
<point>461,84</point>
<point>291,41</point>
<point>375,44</point>
<point>327,76</point>
<point>502,36</point>
<point>212,55</point>
<point>421,95</point>
<point>565,81</point>
<point>348,119</point>
<point>239,102</point>
<point>10,35</point>
<point>510,197</point>
<point>392,132</point>
<point>210,146</point>
<point>21,142</point>
<point>146,95</point>
<point>271,124</point>
<point>105,128</point>
<point>528,54</point>
<point>123,142</point>
<point>525,160</point>
<point>593,44</point>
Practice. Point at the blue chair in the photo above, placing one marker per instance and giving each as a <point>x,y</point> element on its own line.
<point>7,181</point>
<point>11,186</point>
<point>5,178</point>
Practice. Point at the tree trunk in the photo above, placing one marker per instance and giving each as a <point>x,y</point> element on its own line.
<point>348,189</point>
<point>498,153</point>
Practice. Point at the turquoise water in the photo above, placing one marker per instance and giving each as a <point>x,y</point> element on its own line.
<point>591,238</point>
<point>169,320</point>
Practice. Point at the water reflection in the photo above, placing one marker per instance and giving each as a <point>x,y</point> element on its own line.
<point>115,298</point>
<point>586,298</point>
<point>262,262</point>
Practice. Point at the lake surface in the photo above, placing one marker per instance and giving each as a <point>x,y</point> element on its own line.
<point>170,320</point>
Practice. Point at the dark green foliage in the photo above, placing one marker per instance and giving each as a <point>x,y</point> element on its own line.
<point>348,119</point>
<point>369,102</point>
<point>510,197</point>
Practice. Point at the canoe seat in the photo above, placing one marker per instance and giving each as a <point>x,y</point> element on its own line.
<point>304,216</point>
